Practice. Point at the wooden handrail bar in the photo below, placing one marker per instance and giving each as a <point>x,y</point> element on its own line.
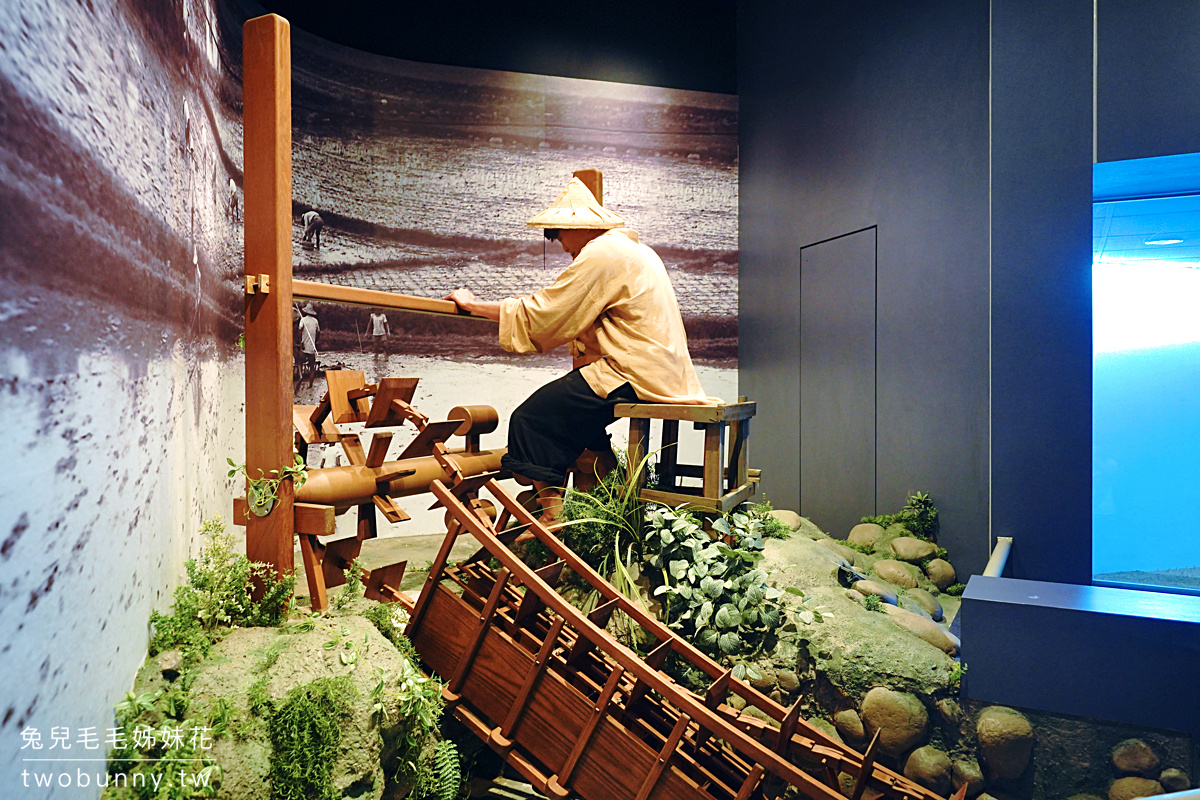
<point>349,295</point>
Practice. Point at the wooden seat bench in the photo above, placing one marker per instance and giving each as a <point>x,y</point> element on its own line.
<point>726,479</point>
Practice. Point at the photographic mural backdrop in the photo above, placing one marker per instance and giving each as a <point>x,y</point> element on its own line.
<point>121,385</point>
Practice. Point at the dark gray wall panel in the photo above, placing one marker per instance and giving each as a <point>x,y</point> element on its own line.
<point>837,381</point>
<point>855,115</point>
<point>1041,286</point>
<point>1148,78</point>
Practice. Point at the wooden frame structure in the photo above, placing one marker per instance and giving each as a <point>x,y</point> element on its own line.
<point>575,711</point>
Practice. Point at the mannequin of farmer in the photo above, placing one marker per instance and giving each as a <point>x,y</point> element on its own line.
<point>617,310</point>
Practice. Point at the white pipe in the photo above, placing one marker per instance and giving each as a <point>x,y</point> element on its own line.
<point>995,565</point>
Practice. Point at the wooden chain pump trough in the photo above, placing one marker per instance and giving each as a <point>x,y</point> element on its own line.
<point>547,686</point>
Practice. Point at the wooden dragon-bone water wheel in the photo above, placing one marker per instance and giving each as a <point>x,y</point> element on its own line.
<point>577,712</point>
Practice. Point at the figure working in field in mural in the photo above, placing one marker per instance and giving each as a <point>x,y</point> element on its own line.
<point>379,331</point>
<point>312,228</point>
<point>616,307</point>
<point>309,328</point>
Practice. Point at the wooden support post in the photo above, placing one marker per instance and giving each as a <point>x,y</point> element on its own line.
<point>664,755</point>
<point>593,179</point>
<point>714,444</point>
<point>312,551</point>
<point>267,139</point>
<point>668,456</point>
<point>639,441</point>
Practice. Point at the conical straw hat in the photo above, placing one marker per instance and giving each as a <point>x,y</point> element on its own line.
<point>576,208</point>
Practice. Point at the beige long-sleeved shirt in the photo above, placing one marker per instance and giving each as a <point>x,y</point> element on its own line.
<point>615,303</point>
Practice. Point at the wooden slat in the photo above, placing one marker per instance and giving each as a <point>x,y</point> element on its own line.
<point>598,616</point>
<point>267,149</point>
<point>431,434</point>
<point>352,447</point>
<point>751,782</point>
<point>788,729</point>
<point>336,560</point>
<point>531,679</point>
<point>314,290</point>
<point>389,509</point>
<point>390,389</point>
<point>314,518</point>
<point>868,764</point>
<point>664,756</point>
<point>485,620</point>
<point>379,447</point>
<point>432,580</point>
<point>654,659</point>
<point>302,422</point>
<point>383,584</point>
<point>530,602</point>
<point>585,737</point>
<point>685,413</point>
<point>340,383</point>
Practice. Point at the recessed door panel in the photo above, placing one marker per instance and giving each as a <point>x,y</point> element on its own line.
<point>837,381</point>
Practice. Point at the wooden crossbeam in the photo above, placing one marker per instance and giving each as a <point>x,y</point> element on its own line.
<point>348,295</point>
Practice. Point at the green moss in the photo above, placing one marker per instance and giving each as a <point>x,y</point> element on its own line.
<point>956,590</point>
<point>305,736</point>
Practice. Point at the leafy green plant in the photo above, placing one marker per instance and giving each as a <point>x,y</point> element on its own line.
<point>956,674</point>
<point>771,527</point>
<point>955,590</point>
<point>919,516</point>
<point>353,586</point>
<point>218,593</point>
<point>262,492</point>
<point>872,602</point>
<point>713,592</point>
